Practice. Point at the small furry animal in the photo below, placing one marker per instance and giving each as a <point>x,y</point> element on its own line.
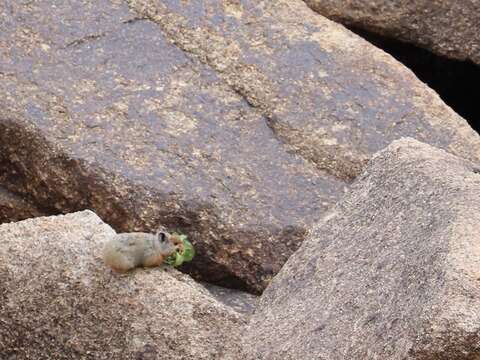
<point>130,250</point>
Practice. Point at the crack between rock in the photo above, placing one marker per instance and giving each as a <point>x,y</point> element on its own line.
<point>93,37</point>
<point>135,19</point>
<point>85,39</point>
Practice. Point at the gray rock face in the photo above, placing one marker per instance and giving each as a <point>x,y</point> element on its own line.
<point>240,301</point>
<point>14,208</point>
<point>330,96</point>
<point>231,121</point>
<point>393,272</point>
<point>446,27</point>
<point>59,301</point>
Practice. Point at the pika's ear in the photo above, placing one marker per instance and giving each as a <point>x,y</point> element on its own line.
<point>162,236</point>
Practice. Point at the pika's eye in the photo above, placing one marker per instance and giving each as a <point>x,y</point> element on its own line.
<point>162,237</point>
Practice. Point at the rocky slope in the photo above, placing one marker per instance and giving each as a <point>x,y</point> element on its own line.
<point>239,123</point>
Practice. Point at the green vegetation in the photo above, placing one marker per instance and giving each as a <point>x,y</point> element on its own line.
<point>179,257</point>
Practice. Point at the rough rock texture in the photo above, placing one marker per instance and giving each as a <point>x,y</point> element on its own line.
<point>59,301</point>
<point>102,112</point>
<point>393,272</point>
<point>327,94</point>
<point>446,27</point>
<point>232,121</point>
<point>240,301</point>
<point>14,208</point>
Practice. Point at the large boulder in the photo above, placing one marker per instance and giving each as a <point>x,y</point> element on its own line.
<point>447,27</point>
<point>59,301</point>
<point>231,121</point>
<point>330,96</point>
<point>393,272</point>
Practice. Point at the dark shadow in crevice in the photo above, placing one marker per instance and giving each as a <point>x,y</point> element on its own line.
<point>457,82</point>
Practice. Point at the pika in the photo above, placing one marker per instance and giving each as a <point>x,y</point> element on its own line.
<point>130,250</point>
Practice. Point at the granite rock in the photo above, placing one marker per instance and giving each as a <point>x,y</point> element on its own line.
<point>59,301</point>
<point>449,28</point>
<point>231,121</point>
<point>392,272</point>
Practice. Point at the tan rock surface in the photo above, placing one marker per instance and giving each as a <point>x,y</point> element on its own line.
<point>393,272</point>
<point>59,301</point>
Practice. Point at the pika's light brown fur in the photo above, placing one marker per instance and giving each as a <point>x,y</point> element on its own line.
<point>130,250</point>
